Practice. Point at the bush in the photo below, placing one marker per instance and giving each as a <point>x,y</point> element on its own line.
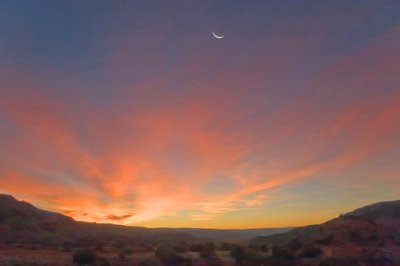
<point>353,236</point>
<point>281,252</point>
<point>208,251</point>
<point>49,226</point>
<point>180,249</point>
<point>212,261</point>
<point>195,247</point>
<point>169,257</point>
<point>46,240</point>
<point>148,262</point>
<point>239,254</point>
<point>3,215</point>
<point>125,251</point>
<point>242,255</point>
<point>103,262</point>
<point>122,249</point>
<point>264,248</point>
<point>99,246</point>
<point>294,245</point>
<point>226,246</point>
<point>326,240</point>
<point>311,252</point>
<point>84,257</point>
<point>66,246</point>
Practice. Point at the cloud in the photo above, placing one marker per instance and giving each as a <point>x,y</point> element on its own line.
<point>118,218</point>
<point>207,138</point>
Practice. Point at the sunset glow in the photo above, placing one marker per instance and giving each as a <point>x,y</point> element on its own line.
<point>131,112</point>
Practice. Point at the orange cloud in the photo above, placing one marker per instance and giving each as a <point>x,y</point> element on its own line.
<point>153,156</point>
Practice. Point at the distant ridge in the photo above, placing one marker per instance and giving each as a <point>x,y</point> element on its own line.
<point>33,223</point>
<point>228,234</point>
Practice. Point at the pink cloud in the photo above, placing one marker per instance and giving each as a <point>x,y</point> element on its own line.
<point>153,158</point>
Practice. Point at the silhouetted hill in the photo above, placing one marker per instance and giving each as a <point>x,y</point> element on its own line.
<point>387,209</point>
<point>13,210</point>
<point>366,236</point>
<point>21,222</point>
<point>385,214</point>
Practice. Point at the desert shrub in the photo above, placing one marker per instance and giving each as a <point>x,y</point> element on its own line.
<point>326,240</point>
<point>258,247</point>
<point>123,252</point>
<point>195,247</point>
<point>281,252</point>
<point>146,246</point>
<point>339,261</point>
<point>294,245</point>
<point>46,240</point>
<point>99,246</point>
<point>20,225</point>
<point>169,257</point>
<point>353,236</point>
<point>32,247</point>
<point>311,252</point>
<point>239,254</point>
<point>224,246</point>
<point>281,257</point>
<point>211,261</point>
<point>324,263</point>
<point>148,262</point>
<point>244,255</point>
<point>208,251</point>
<point>181,247</point>
<point>254,246</point>
<point>84,257</point>
<point>2,215</point>
<point>379,260</point>
<point>66,246</point>
<point>103,262</point>
<point>122,249</point>
<point>49,226</point>
<point>373,238</point>
<point>264,248</point>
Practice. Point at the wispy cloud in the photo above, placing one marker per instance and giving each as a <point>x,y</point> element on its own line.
<point>174,134</point>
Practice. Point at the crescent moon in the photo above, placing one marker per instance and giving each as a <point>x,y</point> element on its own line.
<point>216,36</point>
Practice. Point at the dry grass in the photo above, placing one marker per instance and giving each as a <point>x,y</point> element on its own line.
<point>19,256</point>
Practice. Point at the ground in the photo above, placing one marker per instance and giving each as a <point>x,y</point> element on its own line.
<point>51,257</point>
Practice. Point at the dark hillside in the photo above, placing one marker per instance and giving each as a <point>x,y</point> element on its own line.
<point>21,222</point>
<point>387,209</point>
<point>366,236</point>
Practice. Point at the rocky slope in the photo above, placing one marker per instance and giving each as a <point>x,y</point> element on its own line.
<point>366,236</point>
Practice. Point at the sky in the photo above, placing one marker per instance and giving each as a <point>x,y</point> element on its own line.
<point>131,112</point>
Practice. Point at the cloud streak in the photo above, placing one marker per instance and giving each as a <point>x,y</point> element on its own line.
<point>180,128</point>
